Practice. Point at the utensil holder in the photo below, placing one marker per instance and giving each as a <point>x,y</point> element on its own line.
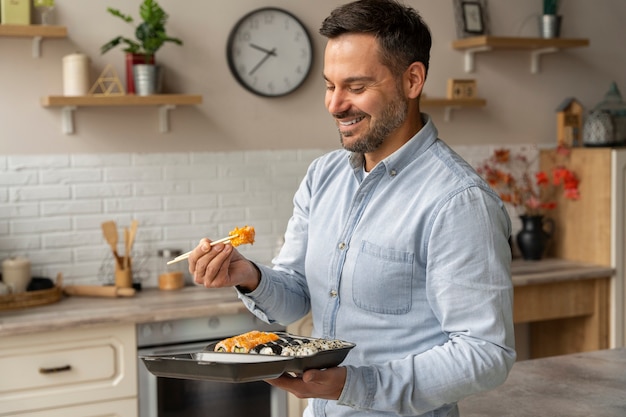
<point>124,277</point>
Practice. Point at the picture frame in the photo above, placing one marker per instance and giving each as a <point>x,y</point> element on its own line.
<point>471,18</point>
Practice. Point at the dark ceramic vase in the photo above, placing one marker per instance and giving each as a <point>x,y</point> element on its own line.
<point>533,238</point>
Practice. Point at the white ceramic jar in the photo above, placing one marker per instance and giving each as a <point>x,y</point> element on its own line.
<point>75,75</point>
<point>16,273</point>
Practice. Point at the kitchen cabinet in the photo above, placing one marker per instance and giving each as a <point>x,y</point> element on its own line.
<point>165,103</point>
<point>536,46</point>
<point>74,372</point>
<point>591,229</point>
<point>37,32</point>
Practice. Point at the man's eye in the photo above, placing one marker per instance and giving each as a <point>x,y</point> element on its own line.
<point>356,89</point>
<point>330,87</point>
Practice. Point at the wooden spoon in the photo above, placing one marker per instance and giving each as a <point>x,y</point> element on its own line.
<point>126,248</point>
<point>133,232</point>
<point>109,229</point>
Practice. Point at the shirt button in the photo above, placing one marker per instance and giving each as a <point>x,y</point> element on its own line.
<point>342,246</point>
<point>393,172</point>
<point>333,293</point>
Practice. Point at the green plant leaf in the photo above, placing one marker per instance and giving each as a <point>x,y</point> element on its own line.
<point>150,33</point>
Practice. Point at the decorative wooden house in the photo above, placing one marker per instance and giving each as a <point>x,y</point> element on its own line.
<point>569,123</point>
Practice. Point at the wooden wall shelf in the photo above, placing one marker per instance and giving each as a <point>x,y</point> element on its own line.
<point>450,104</point>
<point>536,46</point>
<point>165,102</point>
<point>37,32</point>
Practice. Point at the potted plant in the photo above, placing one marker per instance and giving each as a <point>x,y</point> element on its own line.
<point>550,20</point>
<point>150,36</point>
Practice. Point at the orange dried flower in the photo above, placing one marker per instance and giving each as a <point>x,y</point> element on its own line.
<point>530,193</point>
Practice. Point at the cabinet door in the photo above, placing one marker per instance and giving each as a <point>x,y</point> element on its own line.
<point>120,408</point>
<point>65,368</point>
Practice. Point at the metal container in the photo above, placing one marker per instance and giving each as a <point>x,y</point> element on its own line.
<point>147,79</point>
<point>550,26</point>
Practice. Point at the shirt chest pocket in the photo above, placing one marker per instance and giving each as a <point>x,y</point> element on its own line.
<point>382,279</point>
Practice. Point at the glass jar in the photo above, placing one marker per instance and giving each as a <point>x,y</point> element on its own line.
<point>171,277</point>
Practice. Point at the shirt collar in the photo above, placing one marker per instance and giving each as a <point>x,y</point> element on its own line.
<point>398,160</point>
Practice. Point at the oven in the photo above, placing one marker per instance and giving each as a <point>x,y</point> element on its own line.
<point>169,397</point>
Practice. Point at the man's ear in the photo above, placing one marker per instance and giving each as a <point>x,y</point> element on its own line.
<point>414,79</point>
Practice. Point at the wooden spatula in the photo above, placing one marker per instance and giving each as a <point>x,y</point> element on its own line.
<point>109,229</point>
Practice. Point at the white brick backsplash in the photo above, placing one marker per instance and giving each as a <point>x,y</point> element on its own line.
<point>38,193</point>
<point>71,207</point>
<point>221,185</point>
<point>101,160</point>
<point>52,206</point>
<point>40,225</point>
<point>19,178</point>
<point>123,174</point>
<point>37,162</point>
<point>189,172</point>
<point>71,176</point>
<point>15,210</point>
<point>161,188</point>
<point>101,190</point>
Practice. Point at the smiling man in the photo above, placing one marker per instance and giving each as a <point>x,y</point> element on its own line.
<point>395,243</point>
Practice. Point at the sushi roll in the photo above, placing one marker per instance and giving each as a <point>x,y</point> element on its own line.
<point>244,342</point>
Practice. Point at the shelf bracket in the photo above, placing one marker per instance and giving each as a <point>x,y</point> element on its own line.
<point>67,121</point>
<point>535,58</point>
<point>447,113</point>
<point>164,124</point>
<point>469,56</point>
<point>37,46</point>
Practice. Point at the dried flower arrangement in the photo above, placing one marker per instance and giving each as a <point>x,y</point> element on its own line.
<point>531,194</point>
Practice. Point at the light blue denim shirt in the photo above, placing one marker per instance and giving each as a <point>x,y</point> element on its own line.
<point>411,263</point>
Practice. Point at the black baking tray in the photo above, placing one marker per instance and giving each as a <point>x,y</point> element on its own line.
<point>216,366</point>
<point>240,367</point>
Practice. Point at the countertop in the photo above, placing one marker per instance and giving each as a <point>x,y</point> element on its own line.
<point>150,305</point>
<point>578,385</point>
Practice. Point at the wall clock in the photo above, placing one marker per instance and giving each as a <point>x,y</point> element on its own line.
<point>269,52</point>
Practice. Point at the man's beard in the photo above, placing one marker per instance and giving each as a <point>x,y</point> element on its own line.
<point>392,118</point>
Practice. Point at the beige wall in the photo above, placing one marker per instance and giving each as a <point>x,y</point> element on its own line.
<point>521,106</point>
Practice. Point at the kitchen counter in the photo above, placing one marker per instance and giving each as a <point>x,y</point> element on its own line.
<point>555,270</point>
<point>148,305</point>
<point>578,385</point>
<point>152,305</point>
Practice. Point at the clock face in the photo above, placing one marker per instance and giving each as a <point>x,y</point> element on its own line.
<point>270,52</point>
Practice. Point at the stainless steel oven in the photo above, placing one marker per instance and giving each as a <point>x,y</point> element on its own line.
<point>170,397</point>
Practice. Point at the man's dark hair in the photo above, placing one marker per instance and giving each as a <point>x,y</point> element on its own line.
<point>403,36</point>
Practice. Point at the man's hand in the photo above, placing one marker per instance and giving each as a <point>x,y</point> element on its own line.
<point>221,266</point>
<point>326,384</point>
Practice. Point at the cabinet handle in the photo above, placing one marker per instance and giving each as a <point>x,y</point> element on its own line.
<point>55,370</point>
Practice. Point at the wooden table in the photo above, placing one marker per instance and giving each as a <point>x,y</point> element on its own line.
<point>590,384</point>
<point>565,303</point>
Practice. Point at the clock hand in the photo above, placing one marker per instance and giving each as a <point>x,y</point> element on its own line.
<point>272,52</point>
<point>267,55</point>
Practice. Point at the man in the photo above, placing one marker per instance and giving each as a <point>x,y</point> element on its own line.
<point>395,243</point>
